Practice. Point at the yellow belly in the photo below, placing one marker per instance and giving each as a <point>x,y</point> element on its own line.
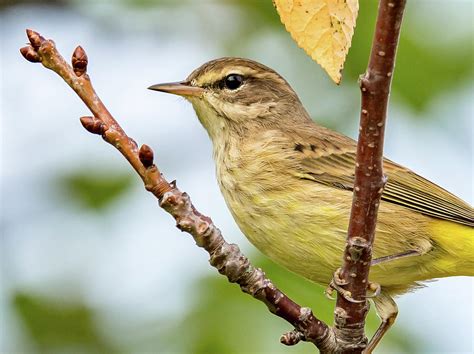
<point>305,231</point>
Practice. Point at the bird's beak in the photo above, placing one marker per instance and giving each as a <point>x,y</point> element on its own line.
<point>181,88</point>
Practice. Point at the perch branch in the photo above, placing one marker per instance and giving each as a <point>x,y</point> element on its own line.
<point>352,306</point>
<point>227,258</point>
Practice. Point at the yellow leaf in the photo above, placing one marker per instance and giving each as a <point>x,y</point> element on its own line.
<point>323,28</point>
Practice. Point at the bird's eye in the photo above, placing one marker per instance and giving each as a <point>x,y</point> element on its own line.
<point>233,81</point>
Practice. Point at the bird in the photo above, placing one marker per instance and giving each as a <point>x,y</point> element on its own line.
<point>288,183</point>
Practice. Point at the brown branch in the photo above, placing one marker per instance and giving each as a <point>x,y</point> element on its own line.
<point>369,178</point>
<point>226,257</point>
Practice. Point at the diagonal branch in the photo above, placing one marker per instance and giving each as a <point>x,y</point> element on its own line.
<point>226,257</point>
<point>369,177</point>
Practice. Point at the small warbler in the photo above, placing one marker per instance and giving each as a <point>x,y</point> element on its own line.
<point>288,184</point>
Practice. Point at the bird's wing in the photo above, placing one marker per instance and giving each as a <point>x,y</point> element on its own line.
<point>335,167</point>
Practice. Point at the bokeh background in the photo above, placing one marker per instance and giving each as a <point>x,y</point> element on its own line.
<point>90,264</point>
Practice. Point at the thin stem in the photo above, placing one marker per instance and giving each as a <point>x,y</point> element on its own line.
<point>369,177</point>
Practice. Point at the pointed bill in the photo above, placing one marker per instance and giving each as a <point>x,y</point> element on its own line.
<point>178,88</point>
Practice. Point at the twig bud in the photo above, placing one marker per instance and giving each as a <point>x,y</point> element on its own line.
<point>291,338</point>
<point>30,54</point>
<point>35,38</point>
<point>146,155</point>
<point>93,125</point>
<point>79,61</point>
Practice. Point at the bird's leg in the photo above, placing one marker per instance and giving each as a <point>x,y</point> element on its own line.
<point>385,306</point>
<point>337,282</point>
<point>393,257</point>
<point>387,310</point>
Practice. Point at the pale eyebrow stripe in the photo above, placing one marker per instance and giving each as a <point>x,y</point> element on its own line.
<point>211,77</point>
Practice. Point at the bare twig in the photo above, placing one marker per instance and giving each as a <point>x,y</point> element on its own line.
<point>226,257</point>
<point>370,180</point>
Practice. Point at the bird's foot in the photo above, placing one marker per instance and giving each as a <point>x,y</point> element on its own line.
<point>336,284</point>
<point>374,290</point>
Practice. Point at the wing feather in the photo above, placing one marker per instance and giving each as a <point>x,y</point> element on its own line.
<point>404,187</point>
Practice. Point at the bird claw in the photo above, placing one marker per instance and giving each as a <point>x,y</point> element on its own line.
<point>329,291</point>
<point>375,288</point>
<point>336,284</point>
<point>336,278</point>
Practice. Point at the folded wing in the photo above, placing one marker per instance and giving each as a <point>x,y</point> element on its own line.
<point>335,168</point>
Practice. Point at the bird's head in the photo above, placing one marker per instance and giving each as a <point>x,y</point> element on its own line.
<point>235,94</point>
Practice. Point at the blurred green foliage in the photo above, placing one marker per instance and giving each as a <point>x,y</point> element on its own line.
<point>220,319</point>
<point>224,320</point>
<point>424,69</point>
<point>59,327</point>
<point>95,190</point>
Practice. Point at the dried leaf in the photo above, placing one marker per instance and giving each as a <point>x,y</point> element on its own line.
<point>323,28</point>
